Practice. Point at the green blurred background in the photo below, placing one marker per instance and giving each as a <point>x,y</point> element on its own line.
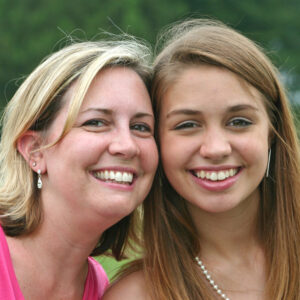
<point>32,29</point>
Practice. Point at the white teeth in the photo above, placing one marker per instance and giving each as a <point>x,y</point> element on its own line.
<point>221,176</point>
<point>118,176</point>
<point>111,175</point>
<point>215,176</point>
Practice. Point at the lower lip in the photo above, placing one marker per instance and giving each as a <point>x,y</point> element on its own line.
<point>217,186</point>
<point>117,186</point>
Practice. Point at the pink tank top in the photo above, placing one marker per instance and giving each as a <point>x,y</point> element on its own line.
<point>95,285</point>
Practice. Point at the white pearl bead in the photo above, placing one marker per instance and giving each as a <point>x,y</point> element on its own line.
<point>208,277</point>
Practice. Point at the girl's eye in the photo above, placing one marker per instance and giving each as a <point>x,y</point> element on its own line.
<point>141,127</point>
<point>94,122</point>
<point>239,122</point>
<point>186,125</point>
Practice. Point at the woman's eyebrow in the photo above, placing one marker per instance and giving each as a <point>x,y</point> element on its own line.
<point>110,112</point>
<point>143,114</point>
<point>101,110</point>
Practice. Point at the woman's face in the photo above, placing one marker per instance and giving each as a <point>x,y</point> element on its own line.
<point>105,165</point>
<point>214,134</point>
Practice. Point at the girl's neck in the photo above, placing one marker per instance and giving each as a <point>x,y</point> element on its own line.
<point>228,233</point>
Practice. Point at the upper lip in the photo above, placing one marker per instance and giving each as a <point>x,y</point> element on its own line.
<point>117,168</point>
<point>215,168</point>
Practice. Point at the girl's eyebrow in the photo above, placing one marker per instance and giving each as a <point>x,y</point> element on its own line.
<point>184,111</point>
<point>193,112</point>
<point>240,107</point>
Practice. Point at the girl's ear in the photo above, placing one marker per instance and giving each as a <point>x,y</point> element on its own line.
<point>29,145</point>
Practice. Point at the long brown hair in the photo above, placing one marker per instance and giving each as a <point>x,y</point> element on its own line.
<point>170,237</point>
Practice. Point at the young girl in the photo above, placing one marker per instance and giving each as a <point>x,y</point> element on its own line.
<point>227,222</point>
<point>77,157</point>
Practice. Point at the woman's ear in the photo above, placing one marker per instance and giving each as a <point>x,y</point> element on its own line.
<point>29,145</point>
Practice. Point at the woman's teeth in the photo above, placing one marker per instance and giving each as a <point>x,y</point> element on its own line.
<point>115,176</point>
<point>216,175</point>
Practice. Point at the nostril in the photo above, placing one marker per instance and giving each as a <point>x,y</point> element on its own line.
<point>126,148</point>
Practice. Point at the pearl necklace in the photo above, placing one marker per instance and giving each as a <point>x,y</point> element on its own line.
<point>209,279</point>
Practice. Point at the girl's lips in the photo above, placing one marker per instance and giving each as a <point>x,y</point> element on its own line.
<point>216,180</point>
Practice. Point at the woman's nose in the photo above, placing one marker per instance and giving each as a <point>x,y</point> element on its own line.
<point>124,144</point>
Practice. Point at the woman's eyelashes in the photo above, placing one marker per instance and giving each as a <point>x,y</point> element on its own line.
<point>94,123</point>
<point>141,128</point>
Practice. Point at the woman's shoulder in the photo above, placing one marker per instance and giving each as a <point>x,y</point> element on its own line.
<point>131,287</point>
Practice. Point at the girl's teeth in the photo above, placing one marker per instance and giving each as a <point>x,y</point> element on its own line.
<point>221,176</point>
<point>121,177</point>
<point>215,176</point>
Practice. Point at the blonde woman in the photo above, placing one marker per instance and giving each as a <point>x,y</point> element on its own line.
<point>227,222</point>
<point>77,157</point>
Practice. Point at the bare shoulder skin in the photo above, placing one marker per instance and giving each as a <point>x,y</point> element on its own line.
<point>130,287</point>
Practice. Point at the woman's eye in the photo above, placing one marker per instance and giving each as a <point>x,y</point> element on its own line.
<point>141,127</point>
<point>94,122</point>
<point>186,125</point>
<point>239,122</point>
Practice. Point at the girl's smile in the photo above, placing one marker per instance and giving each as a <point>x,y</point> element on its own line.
<point>214,136</point>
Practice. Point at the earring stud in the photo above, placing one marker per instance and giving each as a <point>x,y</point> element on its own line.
<point>34,164</point>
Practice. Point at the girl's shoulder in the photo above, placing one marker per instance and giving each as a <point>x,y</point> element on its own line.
<point>131,287</point>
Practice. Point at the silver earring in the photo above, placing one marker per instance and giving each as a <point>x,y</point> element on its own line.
<point>34,164</point>
<point>268,165</point>
<point>39,181</point>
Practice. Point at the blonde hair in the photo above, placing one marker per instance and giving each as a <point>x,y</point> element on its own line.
<point>170,237</point>
<point>35,105</point>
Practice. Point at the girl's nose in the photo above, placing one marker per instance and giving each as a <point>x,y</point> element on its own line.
<point>215,145</point>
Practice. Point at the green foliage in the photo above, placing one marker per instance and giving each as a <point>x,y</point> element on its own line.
<point>110,265</point>
<point>296,114</point>
<point>31,29</point>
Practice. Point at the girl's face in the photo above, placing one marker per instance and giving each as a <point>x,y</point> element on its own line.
<point>214,136</point>
<point>103,168</point>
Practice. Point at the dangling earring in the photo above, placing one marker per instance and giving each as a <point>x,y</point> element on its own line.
<point>39,181</point>
<point>268,165</point>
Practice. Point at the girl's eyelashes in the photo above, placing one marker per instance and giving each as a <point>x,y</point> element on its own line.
<point>239,122</point>
<point>186,125</point>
